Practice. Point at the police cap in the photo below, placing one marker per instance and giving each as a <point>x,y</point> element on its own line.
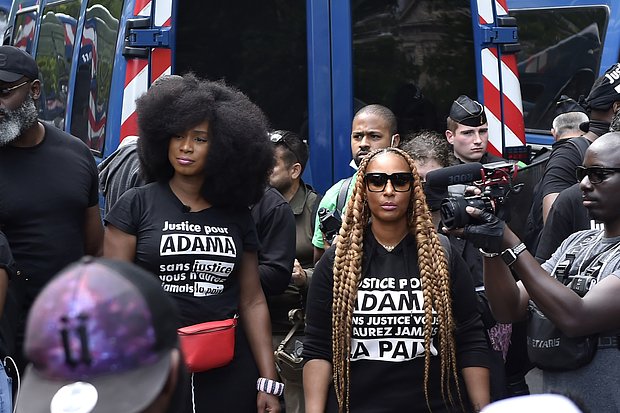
<point>467,111</point>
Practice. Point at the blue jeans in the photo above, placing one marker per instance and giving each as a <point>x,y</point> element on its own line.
<point>6,391</point>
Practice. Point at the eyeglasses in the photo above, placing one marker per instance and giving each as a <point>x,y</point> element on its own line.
<point>596,174</point>
<point>376,182</point>
<point>5,92</point>
<point>277,138</point>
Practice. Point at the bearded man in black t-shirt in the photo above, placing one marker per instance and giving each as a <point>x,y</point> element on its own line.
<point>48,180</point>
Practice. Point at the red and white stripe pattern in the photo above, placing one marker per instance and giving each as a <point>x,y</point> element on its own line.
<point>161,58</point>
<point>70,28</point>
<point>137,71</point>
<point>25,34</point>
<point>510,95</point>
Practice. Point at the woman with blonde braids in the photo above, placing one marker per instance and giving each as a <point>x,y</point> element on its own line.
<point>391,323</point>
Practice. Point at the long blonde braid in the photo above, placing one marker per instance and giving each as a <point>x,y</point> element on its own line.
<point>434,276</point>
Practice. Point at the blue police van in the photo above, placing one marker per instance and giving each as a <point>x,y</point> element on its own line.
<point>310,64</point>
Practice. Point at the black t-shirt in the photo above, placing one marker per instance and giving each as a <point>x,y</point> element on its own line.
<point>6,258</point>
<point>275,227</point>
<point>560,170</point>
<point>46,190</point>
<point>195,255</point>
<point>387,343</point>
<point>567,216</point>
<point>559,174</point>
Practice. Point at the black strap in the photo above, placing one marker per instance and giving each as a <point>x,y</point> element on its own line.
<point>315,209</point>
<point>564,269</point>
<point>299,321</point>
<point>582,283</point>
<point>594,264</point>
<point>342,195</point>
<point>582,144</point>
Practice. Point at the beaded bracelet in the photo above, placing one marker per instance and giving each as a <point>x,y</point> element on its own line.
<point>270,386</point>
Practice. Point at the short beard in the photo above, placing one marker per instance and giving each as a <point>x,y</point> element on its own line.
<point>17,121</point>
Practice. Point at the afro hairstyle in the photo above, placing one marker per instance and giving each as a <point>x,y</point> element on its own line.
<point>240,155</point>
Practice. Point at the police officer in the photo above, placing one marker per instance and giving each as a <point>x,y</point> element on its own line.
<point>468,131</point>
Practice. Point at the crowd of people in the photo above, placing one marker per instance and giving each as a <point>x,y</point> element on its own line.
<point>361,299</point>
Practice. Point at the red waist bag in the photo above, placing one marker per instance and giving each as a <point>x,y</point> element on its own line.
<point>209,345</point>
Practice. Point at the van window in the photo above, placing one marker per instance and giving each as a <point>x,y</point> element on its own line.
<point>94,72</point>
<point>4,15</point>
<point>23,31</point>
<point>561,55</point>
<point>415,57</point>
<point>54,55</point>
<point>262,51</point>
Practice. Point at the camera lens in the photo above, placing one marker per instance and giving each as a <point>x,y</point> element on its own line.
<point>453,214</point>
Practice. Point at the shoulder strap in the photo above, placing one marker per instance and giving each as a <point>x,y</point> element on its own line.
<point>315,209</point>
<point>299,321</point>
<point>563,268</point>
<point>342,195</point>
<point>581,144</point>
<point>580,282</point>
<point>596,263</point>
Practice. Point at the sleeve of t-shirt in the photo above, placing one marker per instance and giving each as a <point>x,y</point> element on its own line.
<point>471,345</point>
<point>277,249</point>
<point>560,170</point>
<point>125,214</point>
<point>93,192</point>
<point>557,228</point>
<point>318,331</point>
<point>250,238</point>
<point>6,257</point>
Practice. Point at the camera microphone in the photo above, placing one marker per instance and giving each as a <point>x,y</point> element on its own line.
<point>186,209</point>
<point>454,175</point>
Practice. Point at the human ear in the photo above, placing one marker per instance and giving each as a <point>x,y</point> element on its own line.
<point>296,170</point>
<point>450,136</point>
<point>35,89</point>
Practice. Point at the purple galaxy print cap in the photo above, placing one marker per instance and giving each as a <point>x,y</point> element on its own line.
<point>99,338</point>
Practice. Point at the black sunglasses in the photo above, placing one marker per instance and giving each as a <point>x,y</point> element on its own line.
<point>276,138</point>
<point>376,181</point>
<point>596,174</point>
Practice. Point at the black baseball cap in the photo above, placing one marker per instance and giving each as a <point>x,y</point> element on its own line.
<point>99,336</point>
<point>15,64</point>
<point>467,111</point>
<point>605,90</point>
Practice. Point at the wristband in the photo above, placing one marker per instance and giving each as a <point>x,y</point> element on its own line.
<point>270,386</point>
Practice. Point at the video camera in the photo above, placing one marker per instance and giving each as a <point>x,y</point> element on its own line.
<point>493,179</point>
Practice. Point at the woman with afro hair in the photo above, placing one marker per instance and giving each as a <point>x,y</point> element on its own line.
<point>205,151</point>
<point>392,322</point>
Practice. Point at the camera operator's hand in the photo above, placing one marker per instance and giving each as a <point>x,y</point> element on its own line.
<point>486,232</point>
<point>471,190</point>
